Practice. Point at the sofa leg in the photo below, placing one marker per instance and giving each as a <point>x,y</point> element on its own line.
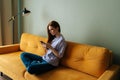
<point>1,73</point>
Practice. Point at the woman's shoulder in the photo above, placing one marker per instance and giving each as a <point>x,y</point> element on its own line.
<point>61,37</point>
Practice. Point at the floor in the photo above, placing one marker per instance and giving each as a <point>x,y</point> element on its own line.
<point>4,77</point>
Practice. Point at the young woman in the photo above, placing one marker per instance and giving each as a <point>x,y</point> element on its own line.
<point>55,50</point>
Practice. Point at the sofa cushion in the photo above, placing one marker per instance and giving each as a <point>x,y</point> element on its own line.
<point>31,43</point>
<point>86,58</point>
<point>11,64</point>
<point>61,73</point>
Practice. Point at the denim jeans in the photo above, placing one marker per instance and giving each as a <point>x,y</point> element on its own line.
<point>35,64</point>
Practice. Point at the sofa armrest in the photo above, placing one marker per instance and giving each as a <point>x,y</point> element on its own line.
<point>110,74</point>
<point>9,48</point>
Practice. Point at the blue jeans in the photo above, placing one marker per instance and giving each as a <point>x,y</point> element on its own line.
<point>35,64</point>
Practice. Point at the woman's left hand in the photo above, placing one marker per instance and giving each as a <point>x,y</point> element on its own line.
<point>48,45</point>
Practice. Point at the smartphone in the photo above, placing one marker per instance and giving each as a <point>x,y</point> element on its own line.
<point>42,42</point>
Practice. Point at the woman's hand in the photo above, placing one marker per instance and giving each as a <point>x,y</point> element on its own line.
<point>48,45</point>
<point>53,50</point>
<point>43,44</point>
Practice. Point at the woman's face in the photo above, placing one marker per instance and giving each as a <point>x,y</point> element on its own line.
<point>53,30</point>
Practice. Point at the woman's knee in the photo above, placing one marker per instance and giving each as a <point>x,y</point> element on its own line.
<point>30,70</point>
<point>23,54</point>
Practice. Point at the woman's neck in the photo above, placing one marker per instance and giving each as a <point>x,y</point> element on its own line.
<point>57,35</point>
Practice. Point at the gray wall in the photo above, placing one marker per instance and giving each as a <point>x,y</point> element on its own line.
<point>95,22</point>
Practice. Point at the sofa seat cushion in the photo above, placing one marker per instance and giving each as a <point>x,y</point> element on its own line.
<point>11,65</point>
<point>60,73</point>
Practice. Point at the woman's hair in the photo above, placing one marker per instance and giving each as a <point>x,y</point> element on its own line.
<point>55,25</point>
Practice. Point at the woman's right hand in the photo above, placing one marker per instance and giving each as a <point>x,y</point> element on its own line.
<point>43,44</point>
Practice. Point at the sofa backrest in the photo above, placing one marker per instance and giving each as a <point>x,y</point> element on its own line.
<point>31,43</point>
<point>90,59</point>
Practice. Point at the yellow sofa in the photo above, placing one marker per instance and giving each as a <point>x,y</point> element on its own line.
<point>80,62</point>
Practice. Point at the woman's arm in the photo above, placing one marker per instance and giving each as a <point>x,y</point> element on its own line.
<point>53,50</point>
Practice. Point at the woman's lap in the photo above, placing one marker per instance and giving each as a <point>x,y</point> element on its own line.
<point>39,67</point>
<point>35,64</point>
